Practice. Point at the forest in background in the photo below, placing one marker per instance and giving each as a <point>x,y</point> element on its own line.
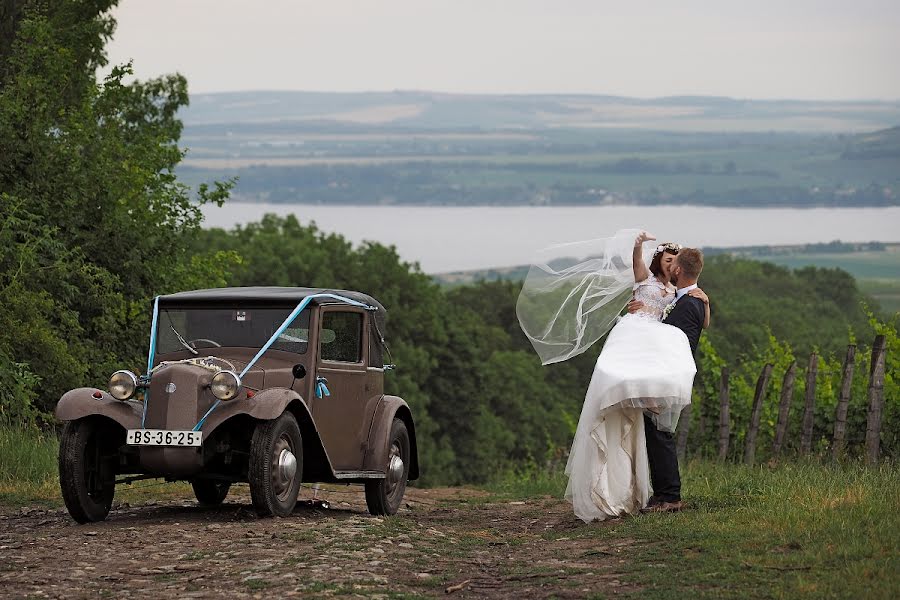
<point>94,223</point>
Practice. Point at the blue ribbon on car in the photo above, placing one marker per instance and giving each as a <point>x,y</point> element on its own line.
<point>321,387</point>
<point>150,356</point>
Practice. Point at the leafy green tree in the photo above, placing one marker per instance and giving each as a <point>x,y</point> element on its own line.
<point>95,222</point>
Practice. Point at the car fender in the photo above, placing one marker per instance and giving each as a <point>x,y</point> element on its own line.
<point>377,448</point>
<point>265,405</point>
<point>271,404</point>
<point>82,402</point>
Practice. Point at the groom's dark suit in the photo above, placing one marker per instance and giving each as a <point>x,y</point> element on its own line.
<point>688,315</point>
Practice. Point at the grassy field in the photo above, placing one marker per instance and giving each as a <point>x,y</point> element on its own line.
<point>28,472</point>
<point>793,530</point>
<point>877,273</point>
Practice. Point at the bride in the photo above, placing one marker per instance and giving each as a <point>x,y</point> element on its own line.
<point>645,366</point>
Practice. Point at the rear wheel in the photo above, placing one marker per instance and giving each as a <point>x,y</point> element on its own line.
<point>383,496</point>
<point>87,477</point>
<point>276,466</point>
<point>210,492</point>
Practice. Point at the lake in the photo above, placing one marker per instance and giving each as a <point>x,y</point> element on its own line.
<point>445,239</point>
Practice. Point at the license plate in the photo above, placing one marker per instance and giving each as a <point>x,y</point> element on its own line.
<point>163,437</point>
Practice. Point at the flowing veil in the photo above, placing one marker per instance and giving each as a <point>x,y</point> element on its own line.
<point>574,293</point>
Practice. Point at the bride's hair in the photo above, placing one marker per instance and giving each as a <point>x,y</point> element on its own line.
<point>656,263</point>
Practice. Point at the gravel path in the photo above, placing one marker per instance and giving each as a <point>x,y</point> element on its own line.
<point>452,541</point>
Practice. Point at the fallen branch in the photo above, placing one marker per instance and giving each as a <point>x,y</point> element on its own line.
<point>457,587</point>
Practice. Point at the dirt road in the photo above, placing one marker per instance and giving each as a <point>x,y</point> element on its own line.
<point>456,543</point>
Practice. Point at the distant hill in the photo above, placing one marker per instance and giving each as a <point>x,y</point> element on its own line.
<point>435,110</point>
<point>425,148</point>
<point>878,144</point>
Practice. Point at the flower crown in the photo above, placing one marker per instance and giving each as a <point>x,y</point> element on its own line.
<point>669,247</point>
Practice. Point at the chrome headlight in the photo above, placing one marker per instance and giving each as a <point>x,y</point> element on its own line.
<point>225,385</point>
<point>122,385</point>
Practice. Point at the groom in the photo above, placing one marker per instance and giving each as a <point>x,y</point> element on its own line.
<point>688,314</point>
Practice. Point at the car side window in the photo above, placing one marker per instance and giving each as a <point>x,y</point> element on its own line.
<point>341,336</point>
<point>296,337</point>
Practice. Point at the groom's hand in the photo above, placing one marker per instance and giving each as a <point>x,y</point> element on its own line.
<point>634,306</point>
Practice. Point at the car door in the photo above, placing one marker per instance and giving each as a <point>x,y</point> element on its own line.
<point>341,416</point>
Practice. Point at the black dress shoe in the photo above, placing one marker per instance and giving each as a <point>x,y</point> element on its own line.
<point>664,507</point>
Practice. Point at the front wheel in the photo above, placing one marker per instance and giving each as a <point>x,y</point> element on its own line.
<point>383,496</point>
<point>209,492</point>
<point>276,466</point>
<point>87,477</point>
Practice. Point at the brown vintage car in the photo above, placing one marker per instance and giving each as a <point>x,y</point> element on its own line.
<point>268,385</point>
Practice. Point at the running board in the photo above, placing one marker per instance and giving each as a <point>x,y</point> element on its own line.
<point>358,475</point>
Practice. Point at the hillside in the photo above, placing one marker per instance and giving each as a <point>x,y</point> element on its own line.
<point>423,110</point>
<point>421,148</point>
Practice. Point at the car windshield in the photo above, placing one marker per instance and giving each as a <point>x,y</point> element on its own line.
<point>194,329</point>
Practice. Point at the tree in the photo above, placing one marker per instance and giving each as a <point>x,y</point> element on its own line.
<point>95,222</point>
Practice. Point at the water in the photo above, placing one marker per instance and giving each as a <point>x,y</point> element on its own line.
<point>445,239</point>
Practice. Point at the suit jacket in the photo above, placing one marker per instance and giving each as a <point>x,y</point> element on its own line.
<point>688,316</point>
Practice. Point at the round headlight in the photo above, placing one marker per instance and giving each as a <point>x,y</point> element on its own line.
<point>225,385</point>
<point>122,385</point>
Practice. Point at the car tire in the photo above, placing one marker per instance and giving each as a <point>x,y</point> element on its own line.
<point>383,496</point>
<point>87,478</point>
<point>210,492</point>
<point>274,483</point>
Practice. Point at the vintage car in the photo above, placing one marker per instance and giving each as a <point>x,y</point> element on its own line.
<point>273,386</point>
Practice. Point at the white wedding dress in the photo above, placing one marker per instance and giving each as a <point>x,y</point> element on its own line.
<point>645,365</point>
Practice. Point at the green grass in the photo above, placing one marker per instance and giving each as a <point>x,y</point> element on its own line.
<point>795,530</point>
<point>27,465</point>
<point>863,265</point>
<point>29,472</point>
<point>885,291</point>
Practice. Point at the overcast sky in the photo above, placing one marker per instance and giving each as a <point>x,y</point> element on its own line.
<point>803,49</point>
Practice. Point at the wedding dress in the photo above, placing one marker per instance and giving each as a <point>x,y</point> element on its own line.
<point>645,365</point>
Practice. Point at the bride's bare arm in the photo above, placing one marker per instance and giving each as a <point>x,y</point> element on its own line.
<point>641,272</point>
<point>701,295</point>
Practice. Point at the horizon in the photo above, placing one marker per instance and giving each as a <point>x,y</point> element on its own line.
<point>871,100</point>
<point>806,50</point>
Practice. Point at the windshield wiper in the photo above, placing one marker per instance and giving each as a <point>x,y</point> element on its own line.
<point>183,343</point>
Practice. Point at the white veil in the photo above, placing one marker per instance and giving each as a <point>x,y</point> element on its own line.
<point>574,292</point>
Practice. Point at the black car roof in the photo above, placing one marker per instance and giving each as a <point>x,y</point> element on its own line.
<point>285,294</point>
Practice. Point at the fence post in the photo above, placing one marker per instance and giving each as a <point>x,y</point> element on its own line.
<point>684,423</point>
<point>761,384</point>
<point>809,411</point>
<point>724,416</point>
<point>840,417</point>
<point>876,399</point>
<point>784,409</point>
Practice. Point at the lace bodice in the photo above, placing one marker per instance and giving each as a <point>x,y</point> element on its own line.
<point>655,296</point>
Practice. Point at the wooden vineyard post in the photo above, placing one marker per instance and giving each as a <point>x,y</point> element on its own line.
<point>809,410</point>
<point>724,416</point>
<point>876,400</point>
<point>840,417</point>
<point>784,409</point>
<point>761,385</point>
<point>684,423</point>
